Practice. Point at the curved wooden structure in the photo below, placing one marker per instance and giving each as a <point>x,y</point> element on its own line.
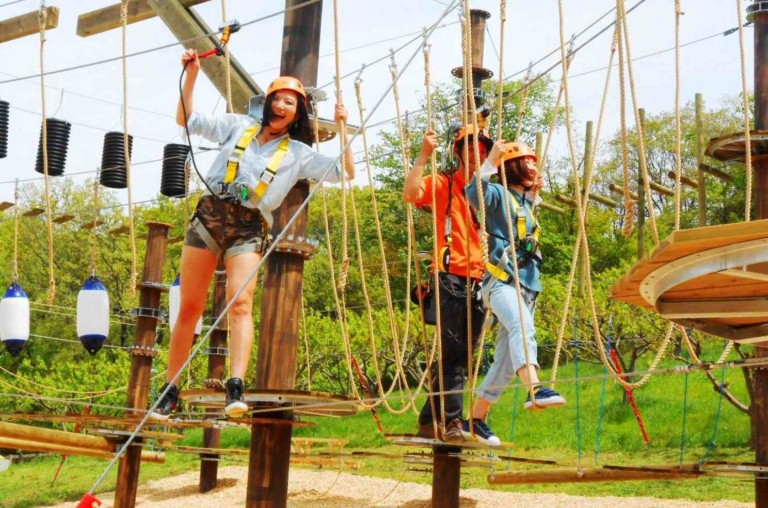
<point>713,279</point>
<point>732,148</point>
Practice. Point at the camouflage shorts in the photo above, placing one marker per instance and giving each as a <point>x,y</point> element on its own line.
<point>226,226</point>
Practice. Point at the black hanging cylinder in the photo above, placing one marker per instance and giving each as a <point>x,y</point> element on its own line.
<point>58,144</point>
<point>4,111</point>
<point>174,176</point>
<point>113,171</point>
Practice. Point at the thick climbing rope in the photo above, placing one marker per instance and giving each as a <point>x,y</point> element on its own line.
<point>437,338</point>
<point>629,204</point>
<point>678,120</point>
<point>15,265</point>
<point>343,278</point>
<point>44,140</point>
<point>379,235</point>
<point>524,102</point>
<point>587,185</point>
<point>227,62</point>
<point>500,88</point>
<point>582,226</point>
<point>126,148</point>
<point>94,229</point>
<point>643,158</point>
<point>745,99</point>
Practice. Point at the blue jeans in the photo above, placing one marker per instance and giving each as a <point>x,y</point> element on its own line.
<point>510,353</point>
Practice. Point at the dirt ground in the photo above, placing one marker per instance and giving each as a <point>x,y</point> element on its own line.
<point>328,489</point>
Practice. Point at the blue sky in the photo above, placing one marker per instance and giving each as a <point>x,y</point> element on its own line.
<point>91,98</point>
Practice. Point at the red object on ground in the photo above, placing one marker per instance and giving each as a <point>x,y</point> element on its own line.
<point>89,501</point>
<point>631,397</point>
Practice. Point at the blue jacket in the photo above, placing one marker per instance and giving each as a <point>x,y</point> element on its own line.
<point>498,228</point>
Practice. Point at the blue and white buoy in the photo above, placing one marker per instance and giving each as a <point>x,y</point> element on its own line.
<point>174,303</point>
<point>93,314</point>
<point>14,319</point>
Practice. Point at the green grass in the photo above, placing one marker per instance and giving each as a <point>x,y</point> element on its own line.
<point>552,434</point>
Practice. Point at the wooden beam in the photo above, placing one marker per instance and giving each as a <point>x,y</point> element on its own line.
<point>722,175</point>
<point>5,205</point>
<point>661,189</point>
<point>690,182</point>
<point>560,198</point>
<point>551,208</point>
<point>108,18</point>
<point>28,24</point>
<point>587,475</point>
<point>186,25</point>
<point>45,447</point>
<point>717,309</point>
<point>746,274</point>
<point>31,433</point>
<point>618,190</point>
<point>603,200</point>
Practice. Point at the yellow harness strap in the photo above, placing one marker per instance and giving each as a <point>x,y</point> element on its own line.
<point>269,173</point>
<point>521,217</point>
<point>234,159</point>
<point>497,272</point>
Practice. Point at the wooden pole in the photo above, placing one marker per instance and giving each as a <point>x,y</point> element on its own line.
<point>700,146</point>
<point>759,409</point>
<point>217,353</point>
<point>585,195</point>
<point>143,351</point>
<point>14,443</point>
<point>270,450</point>
<point>446,476</point>
<point>641,200</point>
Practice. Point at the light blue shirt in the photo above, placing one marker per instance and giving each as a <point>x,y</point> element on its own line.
<point>300,162</point>
<point>498,228</point>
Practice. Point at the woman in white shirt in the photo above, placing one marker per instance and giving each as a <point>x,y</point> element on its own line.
<point>257,165</point>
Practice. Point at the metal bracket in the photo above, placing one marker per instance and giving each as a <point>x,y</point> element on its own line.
<point>756,8</point>
<point>149,351</point>
<point>217,351</point>
<point>148,312</point>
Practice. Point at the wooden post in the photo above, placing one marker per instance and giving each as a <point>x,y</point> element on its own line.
<point>217,353</point>
<point>641,200</point>
<point>270,450</point>
<point>759,409</point>
<point>446,473</point>
<point>143,351</point>
<point>700,145</point>
<point>583,261</point>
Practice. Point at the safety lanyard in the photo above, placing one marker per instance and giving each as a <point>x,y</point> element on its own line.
<point>233,163</point>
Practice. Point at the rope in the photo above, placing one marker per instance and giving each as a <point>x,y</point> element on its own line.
<point>94,236</point>
<point>44,140</point>
<point>126,149</point>
<point>437,340</point>
<point>629,205</point>
<point>343,278</point>
<point>587,185</point>
<point>227,62</point>
<point>15,274</point>
<point>524,102</point>
<point>678,120</point>
<point>500,89</point>
<point>745,99</point>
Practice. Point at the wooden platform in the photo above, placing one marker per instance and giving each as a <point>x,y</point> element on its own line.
<point>422,442</point>
<point>595,474</point>
<point>300,402</point>
<point>733,147</point>
<point>713,279</point>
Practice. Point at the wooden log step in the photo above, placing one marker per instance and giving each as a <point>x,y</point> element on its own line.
<point>577,475</point>
<point>422,442</point>
<point>300,402</point>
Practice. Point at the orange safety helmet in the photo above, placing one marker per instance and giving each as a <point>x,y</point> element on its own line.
<point>469,130</point>
<point>287,83</point>
<point>516,150</point>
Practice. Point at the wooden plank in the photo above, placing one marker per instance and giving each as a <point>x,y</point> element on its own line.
<point>706,309</point>
<point>5,205</point>
<point>746,274</point>
<point>28,24</point>
<point>92,224</point>
<point>582,475</point>
<point>61,219</point>
<point>108,18</point>
<point>34,212</point>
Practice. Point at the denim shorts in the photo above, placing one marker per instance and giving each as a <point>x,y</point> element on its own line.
<point>226,226</point>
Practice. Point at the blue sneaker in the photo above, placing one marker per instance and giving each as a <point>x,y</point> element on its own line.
<point>483,433</point>
<point>543,398</point>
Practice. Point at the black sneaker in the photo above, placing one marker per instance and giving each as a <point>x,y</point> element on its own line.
<point>236,406</point>
<point>544,398</point>
<point>483,433</point>
<point>167,404</point>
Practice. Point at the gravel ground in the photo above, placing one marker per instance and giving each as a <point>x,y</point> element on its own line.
<point>328,489</point>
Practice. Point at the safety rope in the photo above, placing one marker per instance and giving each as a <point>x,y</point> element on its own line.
<point>500,88</point>
<point>227,62</point>
<point>745,99</point>
<point>17,205</point>
<point>678,120</point>
<point>94,229</point>
<point>126,149</point>
<point>437,340</point>
<point>42,17</point>
<point>343,277</point>
<point>629,204</point>
<point>582,225</point>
